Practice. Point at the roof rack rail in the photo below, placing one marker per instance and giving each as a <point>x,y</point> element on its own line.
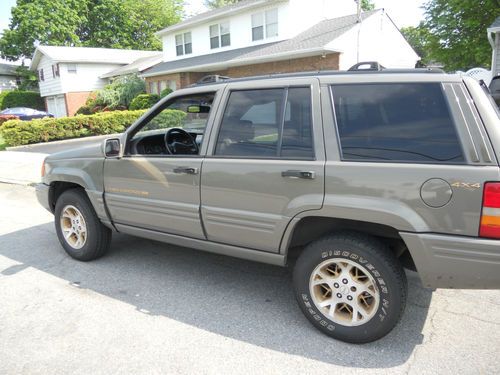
<point>211,79</point>
<point>366,66</point>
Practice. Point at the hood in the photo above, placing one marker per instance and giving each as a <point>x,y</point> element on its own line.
<point>92,151</point>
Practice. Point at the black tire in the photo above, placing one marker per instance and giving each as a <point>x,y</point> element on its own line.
<point>97,237</point>
<point>387,278</point>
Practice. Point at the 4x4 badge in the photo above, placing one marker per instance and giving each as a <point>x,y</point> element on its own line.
<point>467,185</point>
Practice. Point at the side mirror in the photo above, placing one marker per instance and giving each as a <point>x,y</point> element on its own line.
<point>112,148</point>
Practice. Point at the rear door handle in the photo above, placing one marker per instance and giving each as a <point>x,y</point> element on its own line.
<point>186,170</point>
<point>308,175</point>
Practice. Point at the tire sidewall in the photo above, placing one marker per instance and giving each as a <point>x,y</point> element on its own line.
<point>388,285</point>
<point>75,198</point>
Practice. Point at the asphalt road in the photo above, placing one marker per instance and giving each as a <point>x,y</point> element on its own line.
<point>149,308</point>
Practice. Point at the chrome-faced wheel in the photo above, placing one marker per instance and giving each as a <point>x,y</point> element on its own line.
<point>344,292</point>
<point>73,227</point>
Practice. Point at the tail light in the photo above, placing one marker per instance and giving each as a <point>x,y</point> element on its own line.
<point>490,217</point>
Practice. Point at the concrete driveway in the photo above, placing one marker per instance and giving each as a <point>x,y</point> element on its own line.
<point>151,308</point>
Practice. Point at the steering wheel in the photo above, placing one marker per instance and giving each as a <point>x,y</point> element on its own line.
<point>179,141</point>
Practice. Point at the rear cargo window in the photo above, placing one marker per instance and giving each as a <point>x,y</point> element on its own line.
<point>408,122</point>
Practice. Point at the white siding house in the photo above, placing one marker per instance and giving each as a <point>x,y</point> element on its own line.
<point>67,75</point>
<point>255,37</point>
<point>8,77</point>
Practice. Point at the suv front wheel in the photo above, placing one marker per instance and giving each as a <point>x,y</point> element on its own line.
<point>78,228</point>
<point>350,286</point>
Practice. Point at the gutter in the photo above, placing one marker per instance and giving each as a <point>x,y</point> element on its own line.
<point>243,61</point>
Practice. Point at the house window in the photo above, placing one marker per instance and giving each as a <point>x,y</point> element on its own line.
<point>220,35</point>
<point>153,87</point>
<point>271,23</point>
<point>71,68</point>
<point>55,70</point>
<point>265,24</point>
<point>183,44</point>
<point>40,75</point>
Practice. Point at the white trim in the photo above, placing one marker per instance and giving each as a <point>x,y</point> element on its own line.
<point>240,62</point>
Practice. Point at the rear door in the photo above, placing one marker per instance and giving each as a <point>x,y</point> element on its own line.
<point>265,162</point>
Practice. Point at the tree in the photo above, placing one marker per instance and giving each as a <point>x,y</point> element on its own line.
<point>367,5</point>
<point>213,4</point>
<point>457,32</point>
<point>418,37</point>
<point>41,21</point>
<point>93,23</point>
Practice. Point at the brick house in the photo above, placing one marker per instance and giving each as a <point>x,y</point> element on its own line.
<point>254,37</point>
<point>67,75</point>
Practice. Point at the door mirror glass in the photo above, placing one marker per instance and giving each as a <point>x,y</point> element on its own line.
<point>112,147</point>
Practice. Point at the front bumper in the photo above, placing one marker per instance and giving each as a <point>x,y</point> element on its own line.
<point>445,261</point>
<point>42,194</point>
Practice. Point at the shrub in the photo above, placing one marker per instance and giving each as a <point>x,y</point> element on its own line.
<point>19,98</point>
<point>144,101</point>
<point>166,92</point>
<point>2,95</point>
<point>120,92</point>
<point>16,132</point>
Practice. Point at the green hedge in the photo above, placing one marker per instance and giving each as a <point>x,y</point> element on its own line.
<point>17,98</point>
<point>16,132</point>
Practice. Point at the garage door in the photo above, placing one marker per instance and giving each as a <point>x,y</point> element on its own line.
<point>56,105</point>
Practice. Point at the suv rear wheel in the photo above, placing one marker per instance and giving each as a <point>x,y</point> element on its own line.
<point>350,286</point>
<point>78,228</point>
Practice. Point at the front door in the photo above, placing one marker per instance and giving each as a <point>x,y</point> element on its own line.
<point>156,185</point>
<point>265,164</point>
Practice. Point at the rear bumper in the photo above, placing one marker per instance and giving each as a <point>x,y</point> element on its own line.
<point>444,261</point>
<point>42,194</point>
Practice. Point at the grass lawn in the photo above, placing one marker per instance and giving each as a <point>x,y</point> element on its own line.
<point>2,144</point>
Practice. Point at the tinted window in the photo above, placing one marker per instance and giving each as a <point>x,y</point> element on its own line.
<point>297,130</point>
<point>407,122</point>
<point>256,123</point>
<point>250,124</point>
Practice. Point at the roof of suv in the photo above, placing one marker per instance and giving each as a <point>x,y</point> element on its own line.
<point>437,74</point>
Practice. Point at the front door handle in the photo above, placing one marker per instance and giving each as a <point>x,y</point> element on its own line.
<point>186,170</point>
<point>308,175</point>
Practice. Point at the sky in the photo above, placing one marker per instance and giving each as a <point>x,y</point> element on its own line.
<point>402,12</point>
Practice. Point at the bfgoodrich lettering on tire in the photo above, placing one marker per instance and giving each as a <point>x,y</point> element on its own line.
<point>350,286</point>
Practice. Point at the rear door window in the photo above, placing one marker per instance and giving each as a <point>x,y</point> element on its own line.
<point>399,122</point>
<point>256,123</point>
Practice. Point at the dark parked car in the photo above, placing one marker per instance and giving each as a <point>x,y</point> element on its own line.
<point>25,114</point>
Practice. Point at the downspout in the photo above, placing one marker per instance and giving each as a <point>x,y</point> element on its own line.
<point>359,31</point>
<point>493,54</point>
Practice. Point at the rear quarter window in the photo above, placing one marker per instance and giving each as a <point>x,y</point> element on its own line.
<point>398,122</point>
